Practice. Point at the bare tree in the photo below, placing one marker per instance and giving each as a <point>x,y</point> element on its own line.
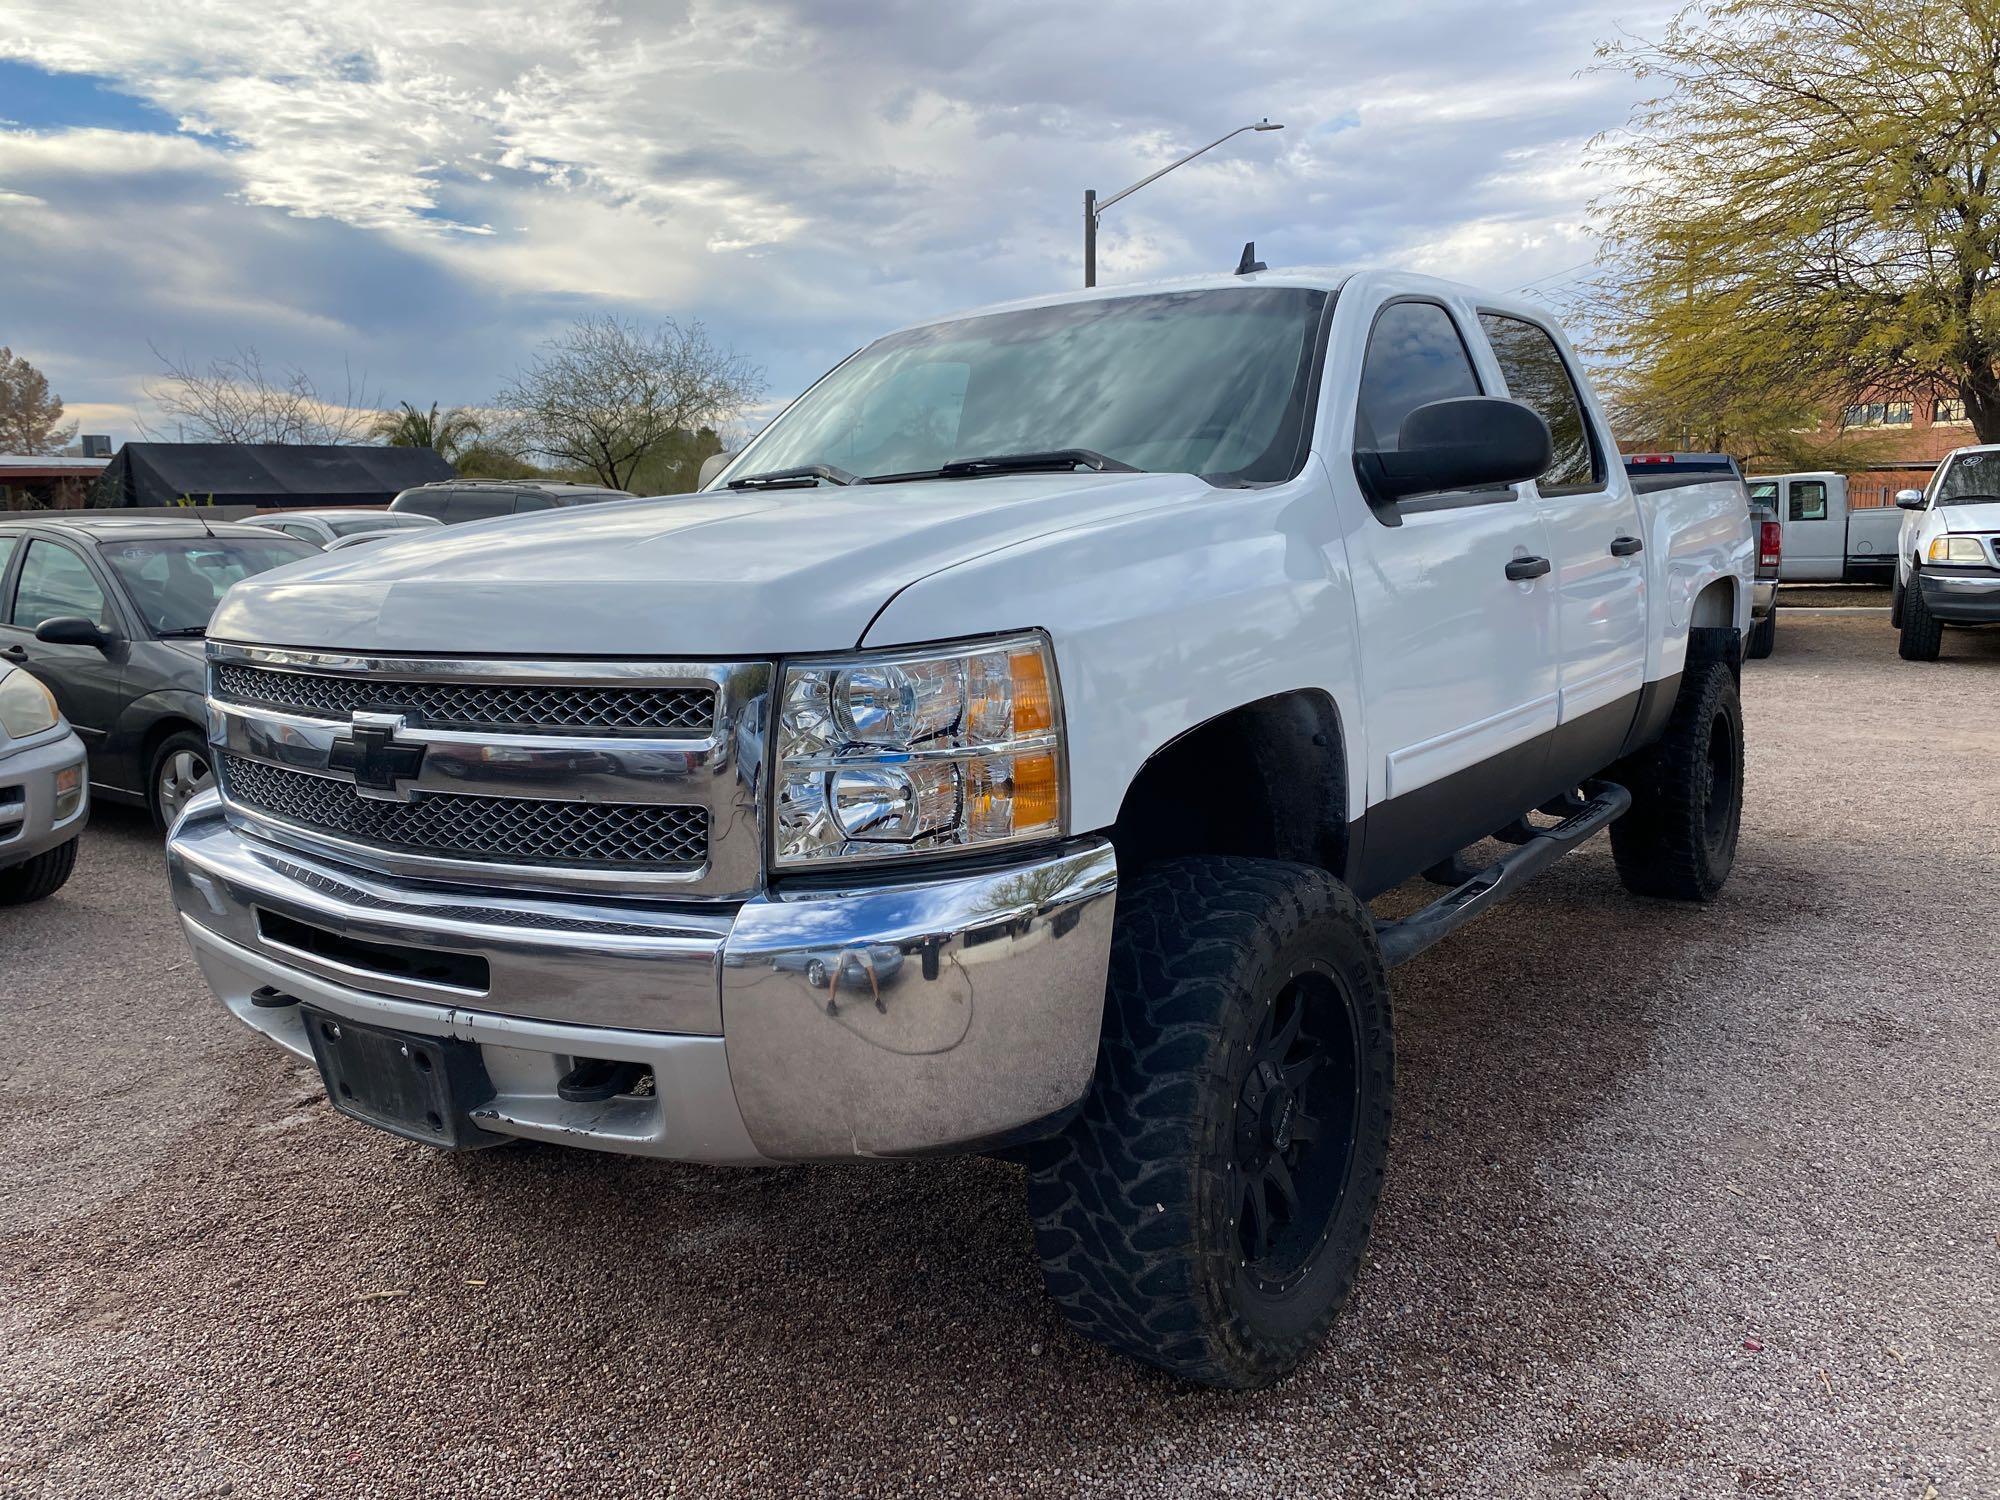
<point>608,394</point>
<point>232,399</point>
<point>30,413</point>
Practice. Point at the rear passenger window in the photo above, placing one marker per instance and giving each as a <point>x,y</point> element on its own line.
<point>480,505</point>
<point>1415,356</point>
<point>1808,500</point>
<point>532,501</point>
<point>1538,375</point>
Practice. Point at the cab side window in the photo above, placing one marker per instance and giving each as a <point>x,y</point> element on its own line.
<point>1538,376</point>
<point>1808,500</point>
<point>480,505</point>
<point>1415,356</point>
<point>56,582</point>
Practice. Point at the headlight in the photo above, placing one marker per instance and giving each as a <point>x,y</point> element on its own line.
<point>918,751</point>
<point>1957,549</point>
<point>26,707</point>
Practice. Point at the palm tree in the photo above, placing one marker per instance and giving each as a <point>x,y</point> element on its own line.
<point>449,430</point>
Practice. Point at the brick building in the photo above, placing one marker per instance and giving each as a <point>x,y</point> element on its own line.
<point>1913,436</point>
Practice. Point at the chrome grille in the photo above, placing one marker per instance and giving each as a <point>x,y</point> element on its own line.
<point>516,830</point>
<point>547,708</point>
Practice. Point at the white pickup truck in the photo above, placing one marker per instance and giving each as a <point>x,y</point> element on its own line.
<point>997,756</point>
<point>1825,538</point>
<point>1948,552</point>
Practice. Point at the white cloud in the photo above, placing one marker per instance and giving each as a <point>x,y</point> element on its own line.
<point>429,185</point>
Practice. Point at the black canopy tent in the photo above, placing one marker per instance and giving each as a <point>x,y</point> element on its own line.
<point>270,476</point>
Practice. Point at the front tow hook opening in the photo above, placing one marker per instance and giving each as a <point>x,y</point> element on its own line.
<point>592,1080</point>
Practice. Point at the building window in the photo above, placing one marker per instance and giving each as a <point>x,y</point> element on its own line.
<point>1948,411</point>
<point>1877,414</point>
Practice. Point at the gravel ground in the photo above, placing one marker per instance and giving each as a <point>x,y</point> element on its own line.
<point>1832,596</point>
<point>1681,1203</point>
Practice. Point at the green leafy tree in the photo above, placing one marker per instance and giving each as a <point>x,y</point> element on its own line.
<point>30,413</point>
<point>450,431</point>
<point>1810,215</point>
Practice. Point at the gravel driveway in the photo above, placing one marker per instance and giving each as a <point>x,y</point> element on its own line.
<point>1682,1202</point>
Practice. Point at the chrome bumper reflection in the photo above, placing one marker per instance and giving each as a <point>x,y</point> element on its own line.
<point>867,1020</point>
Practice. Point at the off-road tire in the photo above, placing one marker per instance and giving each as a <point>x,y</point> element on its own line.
<point>1134,1204</point>
<point>1679,840</point>
<point>1923,634</point>
<point>1764,636</point>
<point>181,742</point>
<point>38,878</point>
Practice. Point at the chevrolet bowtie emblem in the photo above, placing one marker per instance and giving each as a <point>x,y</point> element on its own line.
<point>377,759</point>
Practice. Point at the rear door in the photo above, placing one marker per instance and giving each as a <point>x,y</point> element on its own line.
<point>1458,659</point>
<point>1815,547</point>
<point>1596,538</point>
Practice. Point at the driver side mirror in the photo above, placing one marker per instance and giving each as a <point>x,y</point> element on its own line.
<point>1909,499</point>
<point>72,630</point>
<point>1467,442</point>
<point>713,465</point>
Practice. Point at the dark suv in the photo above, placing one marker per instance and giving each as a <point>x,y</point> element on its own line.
<point>455,500</point>
<point>109,612</point>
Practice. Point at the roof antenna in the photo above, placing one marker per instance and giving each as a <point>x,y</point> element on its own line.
<point>1250,262</point>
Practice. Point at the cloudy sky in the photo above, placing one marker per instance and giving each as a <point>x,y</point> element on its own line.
<point>419,191</point>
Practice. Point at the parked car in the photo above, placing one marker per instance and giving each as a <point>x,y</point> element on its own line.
<point>1825,539</point>
<point>369,538</point>
<point>325,527</point>
<point>459,500</point>
<point>1100,656</point>
<point>1948,552</point>
<point>1651,471</point>
<point>109,612</point>
<point>44,801</point>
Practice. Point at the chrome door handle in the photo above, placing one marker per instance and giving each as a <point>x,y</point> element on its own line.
<point>1625,546</point>
<point>1521,569</point>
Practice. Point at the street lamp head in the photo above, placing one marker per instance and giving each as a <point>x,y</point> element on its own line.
<point>1266,125</point>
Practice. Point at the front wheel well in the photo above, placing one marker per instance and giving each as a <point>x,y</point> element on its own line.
<point>1266,780</point>
<point>157,734</point>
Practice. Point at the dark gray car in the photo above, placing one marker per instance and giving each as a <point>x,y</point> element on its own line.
<point>109,612</point>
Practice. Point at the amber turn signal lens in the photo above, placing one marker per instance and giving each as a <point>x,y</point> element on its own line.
<point>1037,792</point>
<point>1034,705</point>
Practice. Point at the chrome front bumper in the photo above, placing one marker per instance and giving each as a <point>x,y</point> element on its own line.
<point>28,821</point>
<point>876,1019</point>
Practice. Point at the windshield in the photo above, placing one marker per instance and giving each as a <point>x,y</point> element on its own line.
<point>375,520</point>
<point>1968,478</point>
<point>176,583</point>
<point>1211,383</point>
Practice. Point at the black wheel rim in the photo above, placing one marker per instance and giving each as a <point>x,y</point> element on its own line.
<point>1719,797</point>
<point>1297,1116</point>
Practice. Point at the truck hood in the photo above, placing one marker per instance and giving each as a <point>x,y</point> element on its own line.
<point>715,574</point>
<point>1984,516</point>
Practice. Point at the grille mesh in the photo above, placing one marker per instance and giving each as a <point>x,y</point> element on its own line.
<point>467,705</point>
<point>517,830</point>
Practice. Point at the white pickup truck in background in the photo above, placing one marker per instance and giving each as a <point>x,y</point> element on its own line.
<point>1827,540</point>
<point>997,756</point>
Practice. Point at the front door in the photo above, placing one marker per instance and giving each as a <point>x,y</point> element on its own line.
<point>1458,658</point>
<point>53,580</point>
<point>1594,528</point>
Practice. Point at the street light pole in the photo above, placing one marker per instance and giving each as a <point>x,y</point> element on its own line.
<point>1093,210</point>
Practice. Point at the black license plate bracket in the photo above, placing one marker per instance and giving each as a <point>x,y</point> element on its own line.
<point>421,1087</point>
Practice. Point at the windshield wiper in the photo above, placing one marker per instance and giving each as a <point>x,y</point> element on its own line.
<point>800,478</point>
<point>1028,463</point>
<point>184,632</point>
